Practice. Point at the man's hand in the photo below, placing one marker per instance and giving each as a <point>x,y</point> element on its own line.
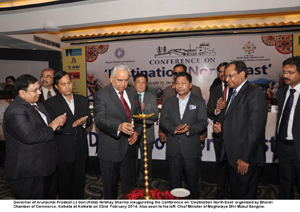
<point>2,138</point>
<point>242,167</point>
<point>143,107</point>
<point>133,138</point>
<point>126,128</point>
<point>182,128</point>
<point>79,122</point>
<point>58,122</point>
<point>220,105</point>
<point>162,137</point>
<point>217,127</point>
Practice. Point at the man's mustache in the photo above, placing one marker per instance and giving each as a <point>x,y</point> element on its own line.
<point>286,78</point>
<point>44,81</point>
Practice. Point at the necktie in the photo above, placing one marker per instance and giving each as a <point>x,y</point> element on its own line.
<point>225,93</point>
<point>231,100</point>
<point>233,95</point>
<point>36,108</point>
<point>49,95</point>
<point>282,133</point>
<point>125,105</point>
<point>140,98</point>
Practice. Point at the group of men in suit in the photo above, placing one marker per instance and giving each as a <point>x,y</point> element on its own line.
<point>239,130</point>
<point>45,131</point>
<point>42,136</point>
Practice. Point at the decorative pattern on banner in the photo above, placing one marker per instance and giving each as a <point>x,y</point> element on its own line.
<point>282,43</point>
<point>93,51</point>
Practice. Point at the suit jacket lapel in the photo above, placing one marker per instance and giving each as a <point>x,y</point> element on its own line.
<point>132,102</point>
<point>237,97</point>
<point>146,98</point>
<point>64,105</point>
<point>116,100</point>
<point>76,107</point>
<point>297,113</point>
<point>187,108</point>
<point>44,111</point>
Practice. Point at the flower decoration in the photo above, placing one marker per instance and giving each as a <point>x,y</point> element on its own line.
<point>159,107</point>
<point>155,194</point>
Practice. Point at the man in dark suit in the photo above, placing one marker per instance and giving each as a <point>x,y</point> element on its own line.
<point>71,140</point>
<point>288,125</point>
<point>216,110</point>
<point>243,132</point>
<point>184,117</point>
<point>148,106</point>
<point>219,79</point>
<point>47,88</point>
<point>114,108</point>
<point>31,152</point>
<point>170,91</point>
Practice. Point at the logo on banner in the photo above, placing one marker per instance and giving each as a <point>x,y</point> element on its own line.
<point>73,60</point>
<point>203,49</point>
<point>249,47</point>
<point>74,67</point>
<point>119,53</point>
<point>75,75</point>
<point>73,52</point>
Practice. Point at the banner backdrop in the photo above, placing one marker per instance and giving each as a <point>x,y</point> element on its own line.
<point>74,62</point>
<point>263,55</point>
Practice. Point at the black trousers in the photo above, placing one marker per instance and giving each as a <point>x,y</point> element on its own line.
<point>71,178</point>
<point>244,186</point>
<point>178,166</point>
<point>222,169</point>
<point>34,187</point>
<point>111,171</point>
<point>289,170</point>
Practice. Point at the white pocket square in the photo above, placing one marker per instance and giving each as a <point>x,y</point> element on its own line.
<point>192,107</point>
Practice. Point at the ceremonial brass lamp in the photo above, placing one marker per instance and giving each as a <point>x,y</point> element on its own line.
<point>146,177</point>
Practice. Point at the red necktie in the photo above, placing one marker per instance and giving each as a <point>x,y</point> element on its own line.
<point>35,107</point>
<point>225,93</point>
<point>125,105</point>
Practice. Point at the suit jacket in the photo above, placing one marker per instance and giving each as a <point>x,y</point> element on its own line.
<point>31,150</point>
<point>69,139</point>
<point>215,93</point>
<point>109,114</point>
<point>243,129</point>
<point>280,95</point>
<point>216,82</point>
<point>42,99</point>
<point>150,107</point>
<point>195,116</point>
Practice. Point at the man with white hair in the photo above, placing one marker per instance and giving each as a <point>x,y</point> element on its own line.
<point>114,107</point>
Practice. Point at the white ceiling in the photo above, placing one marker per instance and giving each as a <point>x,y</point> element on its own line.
<point>90,13</point>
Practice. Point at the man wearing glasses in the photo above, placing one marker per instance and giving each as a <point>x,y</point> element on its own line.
<point>47,88</point>
<point>218,97</point>
<point>31,151</point>
<point>288,125</point>
<point>243,132</point>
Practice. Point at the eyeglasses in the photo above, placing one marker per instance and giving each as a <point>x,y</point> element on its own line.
<point>288,73</point>
<point>230,76</point>
<point>35,90</point>
<point>44,76</point>
<point>175,73</point>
